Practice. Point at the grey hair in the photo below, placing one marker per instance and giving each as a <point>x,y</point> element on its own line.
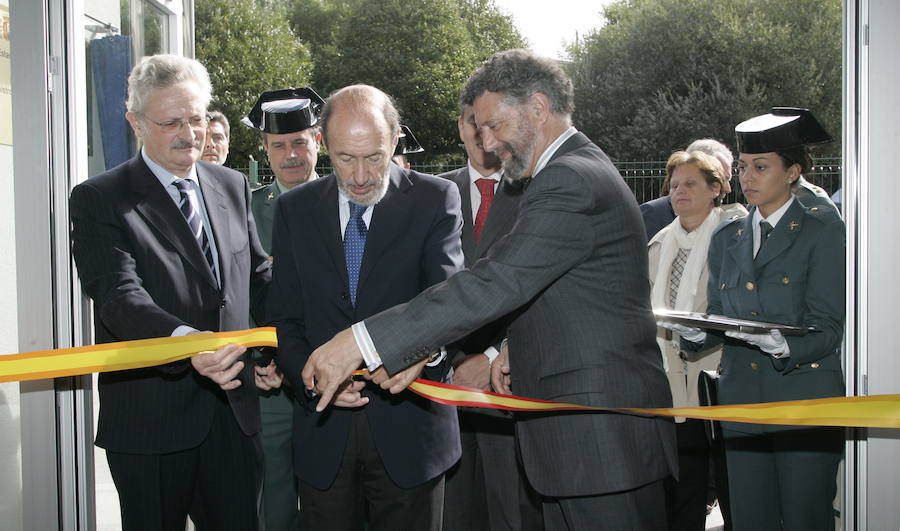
<point>716,149</point>
<point>216,116</point>
<point>163,71</point>
<point>360,98</point>
<point>518,74</point>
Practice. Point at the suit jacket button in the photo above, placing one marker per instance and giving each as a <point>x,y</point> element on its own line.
<point>345,296</point>
<point>722,286</point>
<point>814,365</point>
<point>754,314</point>
<point>754,365</point>
<point>785,280</point>
<point>223,303</point>
<point>749,286</point>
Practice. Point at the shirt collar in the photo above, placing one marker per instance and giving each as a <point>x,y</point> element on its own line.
<point>281,189</point>
<point>552,148</point>
<point>474,174</point>
<point>774,217</point>
<point>166,177</point>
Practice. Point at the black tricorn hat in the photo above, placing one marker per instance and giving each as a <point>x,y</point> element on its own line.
<point>783,128</point>
<point>285,111</point>
<point>407,143</point>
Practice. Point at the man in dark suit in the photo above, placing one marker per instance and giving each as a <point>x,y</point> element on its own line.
<point>485,489</point>
<point>367,237</point>
<point>166,245</point>
<point>574,266</point>
<point>286,119</point>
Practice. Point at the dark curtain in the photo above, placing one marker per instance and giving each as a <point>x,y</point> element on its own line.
<point>111,63</point>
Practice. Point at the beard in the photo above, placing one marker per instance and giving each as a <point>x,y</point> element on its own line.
<point>374,196</point>
<point>521,152</point>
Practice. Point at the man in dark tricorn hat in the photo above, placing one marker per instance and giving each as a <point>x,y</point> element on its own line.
<point>406,145</point>
<point>792,127</point>
<point>287,119</point>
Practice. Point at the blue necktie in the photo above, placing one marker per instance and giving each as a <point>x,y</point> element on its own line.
<point>354,246</point>
<point>195,221</point>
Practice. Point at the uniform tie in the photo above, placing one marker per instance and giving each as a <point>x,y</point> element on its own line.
<point>194,219</point>
<point>354,246</point>
<point>764,230</point>
<point>486,189</point>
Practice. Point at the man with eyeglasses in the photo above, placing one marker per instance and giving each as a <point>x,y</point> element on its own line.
<point>166,245</point>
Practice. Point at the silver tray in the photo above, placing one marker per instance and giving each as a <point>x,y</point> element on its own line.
<point>720,322</point>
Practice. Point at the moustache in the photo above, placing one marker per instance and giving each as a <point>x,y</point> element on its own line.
<point>182,144</point>
<point>292,163</point>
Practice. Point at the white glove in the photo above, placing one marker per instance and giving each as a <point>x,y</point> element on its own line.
<point>689,333</point>
<point>772,343</point>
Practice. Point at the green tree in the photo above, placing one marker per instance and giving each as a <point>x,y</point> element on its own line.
<point>661,73</point>
<point>418,52</point>
<point>248,47</point>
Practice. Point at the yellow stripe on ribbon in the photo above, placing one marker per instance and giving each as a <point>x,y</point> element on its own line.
<point>124,355</point>
<point>877,411</point>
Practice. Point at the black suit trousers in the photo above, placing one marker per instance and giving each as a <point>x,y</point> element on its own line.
<point>213,483</point>
<point>363,496</point>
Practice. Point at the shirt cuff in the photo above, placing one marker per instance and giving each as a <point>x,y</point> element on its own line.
<point>366,346</point>
<point>437,358</point>
<point>183,330</point>
<point>491,353</point>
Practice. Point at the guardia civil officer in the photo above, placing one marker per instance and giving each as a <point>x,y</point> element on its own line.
<point>783,263</point>
<point>287,119</point>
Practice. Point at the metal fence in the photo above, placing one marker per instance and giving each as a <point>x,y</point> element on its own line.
<point>644,177</point>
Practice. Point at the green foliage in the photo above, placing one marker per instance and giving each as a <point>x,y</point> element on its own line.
<point>248,48</point>
<point>661,73</point>
<point>418,52</point>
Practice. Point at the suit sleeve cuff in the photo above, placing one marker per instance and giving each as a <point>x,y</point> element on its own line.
<point>366,346</point>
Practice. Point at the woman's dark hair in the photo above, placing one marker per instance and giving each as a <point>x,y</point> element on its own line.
<point>798,155</point>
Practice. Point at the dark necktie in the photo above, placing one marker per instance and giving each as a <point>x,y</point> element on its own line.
<point>764,230</point>
<point>194,219</point>
<point>354,246</point>
<point>486,189</point>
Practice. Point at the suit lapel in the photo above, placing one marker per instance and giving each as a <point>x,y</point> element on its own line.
<point>783,236</point>
<point>741,246</point>
<point>156,206</point>
<point>328,221</point>
<point>387,222</point>
<point>462,180</point>
<point>214,200</point>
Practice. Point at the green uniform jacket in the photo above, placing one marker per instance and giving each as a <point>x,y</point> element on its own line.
<point>263,206</point>
<point>797,279</point>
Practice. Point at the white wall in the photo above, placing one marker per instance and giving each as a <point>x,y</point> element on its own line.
<point>10,429</point>
<point>881,222</point>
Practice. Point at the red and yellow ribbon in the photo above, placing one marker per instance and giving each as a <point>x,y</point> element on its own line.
<point>877,411</point>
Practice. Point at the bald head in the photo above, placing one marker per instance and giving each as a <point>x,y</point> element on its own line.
<point>361,127</point>
<point>360,100</point>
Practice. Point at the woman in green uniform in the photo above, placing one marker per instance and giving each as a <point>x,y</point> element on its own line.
<point>783,263</point>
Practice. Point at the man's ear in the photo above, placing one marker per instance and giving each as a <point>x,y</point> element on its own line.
<point>539,105</point>
<point>135,124</point>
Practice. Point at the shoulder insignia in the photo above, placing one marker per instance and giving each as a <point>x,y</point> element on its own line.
<point>739,232</point>
<point>793,225</point>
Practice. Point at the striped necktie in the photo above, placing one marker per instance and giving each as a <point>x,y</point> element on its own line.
<point>195,221</point>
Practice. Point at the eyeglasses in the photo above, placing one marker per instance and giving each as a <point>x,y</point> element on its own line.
<point>174,126</point>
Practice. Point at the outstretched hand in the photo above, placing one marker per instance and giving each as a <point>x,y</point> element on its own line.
<point>330,366</point>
